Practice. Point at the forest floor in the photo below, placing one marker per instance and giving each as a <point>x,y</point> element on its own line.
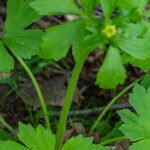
<point>19,102</point>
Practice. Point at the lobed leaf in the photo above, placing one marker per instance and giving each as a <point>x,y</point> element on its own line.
<point>82,143</point>
<point>136,126</point>
<point>51,7</point>
<point>20,15</point>
<point>139,48</point>
<point>36,139</point>
<point>42,139</point>
<point>58,39</point>
<point>112,71</point>
<point>24,43</point>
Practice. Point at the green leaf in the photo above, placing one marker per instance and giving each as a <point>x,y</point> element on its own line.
<point>36,139</point>
<point>108,7</point>
<point>114,133</point>
<point>112,71</point>
<point>130,4</point>
<point>146,81</point>
<point>139,48</point>
<point>59,39</point>
<point>136,126</point>
<point>51,7</point>
<point>142,145</point>
<point>135,30</point>
<point>144,65</point>
<point>24,43</point>
<point>5,66</point>
<point>89,5</point>
<point>4,135</point>
<point>20,15</point>
<point>42,139</point>
<point>79,142</point>
<point>11,145</point>
<point>85,45</point>
<point>103,128</point>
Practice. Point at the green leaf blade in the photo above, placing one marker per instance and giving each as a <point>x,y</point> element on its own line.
<point>20,15</point>
<point>59,39</point>
<point>112,71</point>
<point>5,66</point>
<point>142,145</point>
<point>25,43</point>
<point>84,144</point>
<point>10,145</point>
<point>139,48</point>
<point>36,139</point>
<point>50,7</point>
<point>89,5</point>
<point>136,127</point>
<point>108,7</point>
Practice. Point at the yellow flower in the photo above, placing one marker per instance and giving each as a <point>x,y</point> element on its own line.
<point>110,31</point>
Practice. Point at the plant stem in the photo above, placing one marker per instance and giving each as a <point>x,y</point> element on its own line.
<point>113,101</point>
<point>38,90</point>
<point>113,140</point>
<point>67,102</point>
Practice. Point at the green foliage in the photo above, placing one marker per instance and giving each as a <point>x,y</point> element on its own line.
<point>5,135</point>
<point>132,4</point>
<point>42,139</point>
<point>50,7</point>
<point>21,42</point>
<point>136,126</point>
<point>9,64</point>
<point>108,7</point>
<point>50,48</point>
<point>89,5</point>
<point>112,71</point>
<point>103,127</point>
<point>114,133</point>
<point>127,32</point>
<point>146,81</point>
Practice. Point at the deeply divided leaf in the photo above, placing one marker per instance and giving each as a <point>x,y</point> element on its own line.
<point>42,139</point>
<point>36,139</point>
<point>136,126</point>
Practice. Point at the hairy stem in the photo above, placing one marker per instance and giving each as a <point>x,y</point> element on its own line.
<point>113,101</point>
<point>38,90</point>
<point>67,102</point>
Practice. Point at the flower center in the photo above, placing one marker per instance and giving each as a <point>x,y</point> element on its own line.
<point>110,31</point>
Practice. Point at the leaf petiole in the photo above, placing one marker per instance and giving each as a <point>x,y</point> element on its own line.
<point>68,100</point>
<point>38,90</point>
<point>113,101</point>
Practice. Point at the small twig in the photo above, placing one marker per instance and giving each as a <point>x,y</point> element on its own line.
<point>97,110</point>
